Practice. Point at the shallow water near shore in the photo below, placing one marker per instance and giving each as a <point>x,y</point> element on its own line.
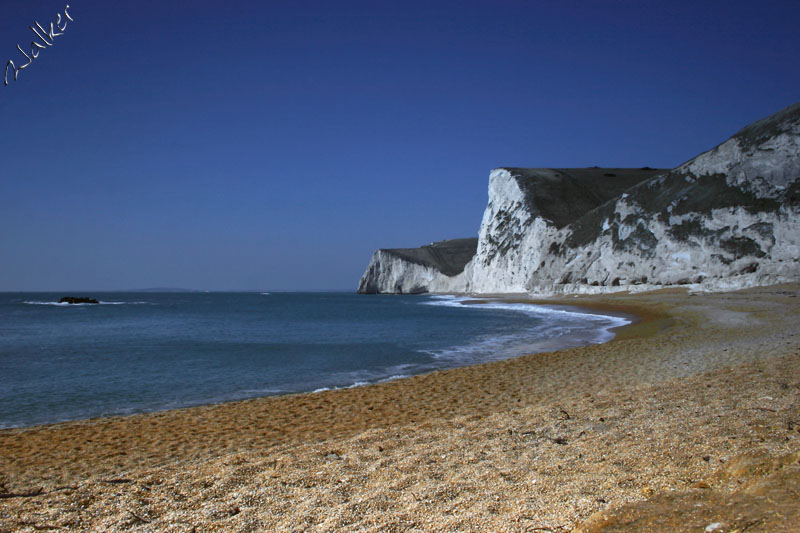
<point>142,352</point>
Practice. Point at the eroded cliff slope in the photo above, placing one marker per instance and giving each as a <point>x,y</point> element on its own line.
<point>724,220</point>
<point>437,267</point>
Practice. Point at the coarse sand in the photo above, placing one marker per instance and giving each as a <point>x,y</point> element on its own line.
<point>689,420</point>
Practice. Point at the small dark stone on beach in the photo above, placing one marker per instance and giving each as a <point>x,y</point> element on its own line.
<point>559,413</point>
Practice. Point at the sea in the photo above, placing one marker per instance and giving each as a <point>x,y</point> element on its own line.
<point>137,352</point>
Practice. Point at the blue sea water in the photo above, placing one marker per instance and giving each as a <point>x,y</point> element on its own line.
<point>141,352</point>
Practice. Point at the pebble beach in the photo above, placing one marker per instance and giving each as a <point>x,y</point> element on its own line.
<point>688,420</point>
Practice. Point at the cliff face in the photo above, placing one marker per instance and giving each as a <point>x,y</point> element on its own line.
<point>437,267</point>
<point>529,213</point>
<point>724,220</point>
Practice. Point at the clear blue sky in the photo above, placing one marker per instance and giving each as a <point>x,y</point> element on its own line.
<point>274,145</point>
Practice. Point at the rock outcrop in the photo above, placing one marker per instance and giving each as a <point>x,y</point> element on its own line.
<point>77,300</point>
<point>726,219</point>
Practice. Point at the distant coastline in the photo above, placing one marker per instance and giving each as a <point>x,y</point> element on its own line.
<point>162,289</point>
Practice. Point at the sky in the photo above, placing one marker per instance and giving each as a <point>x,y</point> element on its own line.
<point>263,145</point>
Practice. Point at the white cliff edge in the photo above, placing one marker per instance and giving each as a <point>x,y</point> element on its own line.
<point>438,267</point>
<point>389,274</point>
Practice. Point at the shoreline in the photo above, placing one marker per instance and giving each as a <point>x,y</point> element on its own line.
<point>635,314</point>
<point>627,313</point>
<point>542,440</point>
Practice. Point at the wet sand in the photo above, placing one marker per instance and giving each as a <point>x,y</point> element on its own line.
<point>537,443</point>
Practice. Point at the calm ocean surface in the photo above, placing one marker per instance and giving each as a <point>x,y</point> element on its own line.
<point>139,352</point>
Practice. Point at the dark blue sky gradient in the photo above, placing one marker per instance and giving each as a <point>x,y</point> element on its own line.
<point>275,145</point>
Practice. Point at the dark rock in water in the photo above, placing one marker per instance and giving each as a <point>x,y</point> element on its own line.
<point>77,300</point>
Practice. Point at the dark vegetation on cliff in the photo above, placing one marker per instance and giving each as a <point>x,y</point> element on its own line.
<point>763,130</point>
<point>563,195</point>
<point>674,193</point>
<point>448,257</point>
<point>688,194</point>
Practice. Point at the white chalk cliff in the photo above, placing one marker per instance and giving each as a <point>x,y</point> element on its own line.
<point>437,267</point>
<point>725,220</point>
